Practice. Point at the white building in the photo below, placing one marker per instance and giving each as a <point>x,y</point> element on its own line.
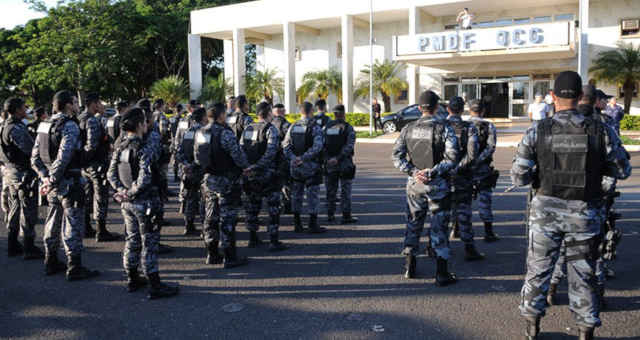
<point>511,53</point>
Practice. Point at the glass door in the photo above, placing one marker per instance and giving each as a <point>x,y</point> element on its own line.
<point>519,87</point>
<point>469,90</point>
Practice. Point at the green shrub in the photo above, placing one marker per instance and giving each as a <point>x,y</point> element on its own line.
<point>355,119</point>
<point>630,122</point>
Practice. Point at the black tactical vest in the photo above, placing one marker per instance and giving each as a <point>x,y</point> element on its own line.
<point>336,135</point>
<point>188,141</point>
<point>208,152</point>
<point>483,134</point>
<point>235,122</point>
<point>571,159</point>
<point>425,145</point>
<point>321,120</point>
<point>101,152</point>
<point>9,152</point>
<point>301,138</point>
<point>49,139</point>
<point>462,132</point>
<point>254,141</point>
<point>282,125</point>
<point>129,162</point>
<point>113,127</point>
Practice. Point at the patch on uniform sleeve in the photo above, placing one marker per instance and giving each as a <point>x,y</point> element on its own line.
<point>44,127</point>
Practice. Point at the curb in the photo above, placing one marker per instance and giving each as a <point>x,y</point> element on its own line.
<point>629,148</point>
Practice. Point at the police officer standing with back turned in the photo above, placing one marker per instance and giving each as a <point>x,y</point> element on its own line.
<point>189,196</point>
<point>485,177</point>
<point>284,178</point>
<point>57,158</point>
<point>260,142</point>
<point>222,160</point>
<point>96,151</point>
<point>303,147</point>
<point>130,175</point>
<point>15,151</point>
<point>240,119</point>
<point>113,124</point>
<point>461,177</point>
<point>321,117</point>
<point>571,154</point>
<point>426,151</point>
<point>339,140</point>
<point>40,115</point>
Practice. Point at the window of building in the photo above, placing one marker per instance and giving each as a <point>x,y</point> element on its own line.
<point>484,24</point>
<point>450,91</point>
<point>520,21</point>
<point>564,17</point>
<point>503,22</point>
<point>403,97</point>
<point>635,91</point>
<point>542,19</point>
<point>630,28</point>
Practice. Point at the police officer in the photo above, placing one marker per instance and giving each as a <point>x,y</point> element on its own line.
<point>461,177</point>
<point>240,119</point>
<point>189,196</point>
<point>321,116</point>
<point>130,175</point>
<point>231,105</point>
<point>571,154</point>
<point>57,158</point>
<point>303,147</point>
<point>113,123</point>
<point>96,150</point>
<point>284,178</point>
<point>173,125</point>
<point>426,151</point>
<point>223,162</point>
<point>485,177</point>
<point>340,140</point>
<point>164,129</point>
<point>15,151</point>
<point>40,115</point>
<point>260,142</point>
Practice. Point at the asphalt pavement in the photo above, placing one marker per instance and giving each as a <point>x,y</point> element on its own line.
<point>345,284</point>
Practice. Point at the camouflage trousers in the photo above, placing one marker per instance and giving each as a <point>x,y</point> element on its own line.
<point>484,204</point>
<point>221,210</point>
<point>189,198</point>
<point>253,205</point>
<point>552,222</point>
<point>23,209</point>
<point>66,216</point>
<point>4,198</point>
<point>420,200</point>
<point>461,212</point>
<point>285,192</point>
<point>142,238</point>
<point>560,268</point>
<point>298,191</point>
<point>96,192</point>
<point>331,184</point>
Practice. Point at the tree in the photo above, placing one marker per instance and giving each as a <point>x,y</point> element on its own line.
<point>263,85</point>
<point>215,89</point>
<point>620,67</point>
<point>386,80</point>
<point>172,89</point>
<point>321,84</point>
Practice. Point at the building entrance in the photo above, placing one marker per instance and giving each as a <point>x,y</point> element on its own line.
<point>495,97</point>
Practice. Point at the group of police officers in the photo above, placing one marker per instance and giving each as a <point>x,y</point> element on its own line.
<point>224,159</point>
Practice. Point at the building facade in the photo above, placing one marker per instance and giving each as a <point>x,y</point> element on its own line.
<point>510,53</point>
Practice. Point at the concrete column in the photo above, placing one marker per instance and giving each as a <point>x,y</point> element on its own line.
<point>289,40</point>
<point>195,65</point>
<point>228,60</point>
<point>239,65</point>
<point>347,62</point>
<point>583,46</point>
<point>413,71</point>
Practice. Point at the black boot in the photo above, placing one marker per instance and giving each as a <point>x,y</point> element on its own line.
<point>430,251</point>
<point>314,228</point>
<point>189,228</point>
<point>331,216</point>
<point>89,232</point>
<point>409,267</point>
<point>213,257</point>
<point>275,244</point>
<point>14,248</point>
<point>77,272</point>
<point>53,266</point>
<point>232,260</point>
<point>31,252</point>
<point>586,334</point>
<point>135,281</point>
<point>471,254</point>
<point>297,223</point>
<point>348,219</point>
<point>489,235</point>
<point>551,294</point>
<point>103,235</point>
<point>287,207</point>
<point>254,240</point>
<point>532,330</point>
<point>158,289</point>
<point>443,277</point>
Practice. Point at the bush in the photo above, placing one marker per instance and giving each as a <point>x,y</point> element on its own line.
<point>630,122</point>
<point>355,119</point>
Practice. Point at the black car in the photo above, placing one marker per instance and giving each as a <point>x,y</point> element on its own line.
<point>396,121</point>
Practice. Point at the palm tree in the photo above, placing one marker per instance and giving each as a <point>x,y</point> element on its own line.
<point>385,80</point>
<point>321,84</point>
<point>215,89</point>
<point>172,89</point>
<point>620,67</point>
<point>263,84</point>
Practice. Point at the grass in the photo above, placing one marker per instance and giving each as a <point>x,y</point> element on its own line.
<point>365,134</point>
<point>626,140</point>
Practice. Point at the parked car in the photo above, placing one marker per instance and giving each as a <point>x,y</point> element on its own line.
<point>396,121</point>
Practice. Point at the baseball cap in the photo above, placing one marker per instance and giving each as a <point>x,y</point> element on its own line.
<point>429,99</point>
<point>568,84</point>
<point>601,95</point>
<point>589,93</point>
<point>475,105</point>
<point>456,104</point>
<point>338,108</point>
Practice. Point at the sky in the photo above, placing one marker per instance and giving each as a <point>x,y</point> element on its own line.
<point>16,12</point>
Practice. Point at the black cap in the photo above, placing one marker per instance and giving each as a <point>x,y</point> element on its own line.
<point>131,113</point>
<point>456,104</point>
<point>429,99</point>
<point>475,105</point>
<point>589,93</point>
<point>338,109</point>
<point>568,84</point>
<point>601,95</point>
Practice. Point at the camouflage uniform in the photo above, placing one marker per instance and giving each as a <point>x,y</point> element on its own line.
<point>190,195</point>
<point>341,173</point>
<point>283,176</point>
<point>95,173</point>
<point>309,174</point>
<point>554,220</point>
<point>432,197</point>
<point>163,128</point>
<point>482,171</point>
<point>153,146</point>
<point>142,236</point>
